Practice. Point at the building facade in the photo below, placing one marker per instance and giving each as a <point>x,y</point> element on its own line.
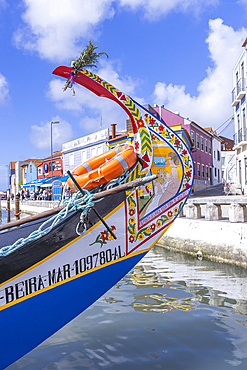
<point>216,157</point>
<point>80,150</point>
<point>51,167</point>
<point>202,156</point>
<point>31,170</point>
<point>20,175</point>
<point>239,107</point>
<point>228,161</point>
<point>11,178</point>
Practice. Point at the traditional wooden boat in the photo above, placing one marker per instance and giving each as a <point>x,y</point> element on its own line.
<point>53,268</point>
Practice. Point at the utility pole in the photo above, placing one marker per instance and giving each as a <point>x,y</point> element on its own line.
<point>52,196</point>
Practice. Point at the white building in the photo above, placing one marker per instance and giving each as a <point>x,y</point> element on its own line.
<point>228,167</point>
<point>239,106</point>
<point>228,161</point>
<point>216,161</point>
<point>216,157</point>
<point>78,151</point>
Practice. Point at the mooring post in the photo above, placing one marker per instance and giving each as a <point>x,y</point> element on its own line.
<point>17,207</point>
<point>8,205</point>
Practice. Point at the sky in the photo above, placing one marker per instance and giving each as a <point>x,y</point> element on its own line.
<point>176,53</point>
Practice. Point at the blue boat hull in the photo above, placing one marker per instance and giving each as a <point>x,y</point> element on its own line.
<point>35,319</point>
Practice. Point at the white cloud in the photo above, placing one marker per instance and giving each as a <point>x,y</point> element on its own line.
<point>54,28</point>
<point>154,9</point>
<point>91,123</point>
<point>4,91</point>
<point>244,3</point>
<point>85,102</point>
<point>40,136</point>
<point>212,106</point>
<point>3,3</point>
<point>57,29</point>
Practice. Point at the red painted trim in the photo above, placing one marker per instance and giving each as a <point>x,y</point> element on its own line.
<point>152,235</point>
<point>95,87</point>
<point>126,226</point>
<point>161,212</point>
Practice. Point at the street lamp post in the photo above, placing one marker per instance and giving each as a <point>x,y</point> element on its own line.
<point>53,122</point>
<point>7,171</point>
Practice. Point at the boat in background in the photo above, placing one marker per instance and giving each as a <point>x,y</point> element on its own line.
<point>53,268</point>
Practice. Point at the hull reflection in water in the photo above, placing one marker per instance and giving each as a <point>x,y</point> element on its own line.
<point>151,302</point>
<point>170,312</point>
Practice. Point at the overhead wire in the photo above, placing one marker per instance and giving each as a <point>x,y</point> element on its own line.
<point>230,118</point>
<point>229,123</point>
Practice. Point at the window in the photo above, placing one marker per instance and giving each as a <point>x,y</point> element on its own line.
<point>193,137</point>
<point>197,141</point>
<point>223,161</point>
<point>244,125</point>
<point>71,159</point>
<point>245,166</point>
<point>203,171</point>
<point>238,120</point>
<point>214,154</point>
<point>242,69</point>
<point>93,152</point>
<point>198,170</point>
<point>209,147</point>
<point>207,172</point>
<point>201,143</point>
<point>239,172</point>
<point>239,133</point>
<point>215,172</point>
<point>100,150</point>
<point>218,155</point>
<point>31,169</point>
<point>83,156</point>
<point>53,166</point>
<point>206,145</point>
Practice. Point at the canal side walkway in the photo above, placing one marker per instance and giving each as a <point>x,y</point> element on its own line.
<point>31,206</point>
<point>212,226</point>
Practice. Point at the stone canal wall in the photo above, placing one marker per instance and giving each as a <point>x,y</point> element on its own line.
<point>213,228</point>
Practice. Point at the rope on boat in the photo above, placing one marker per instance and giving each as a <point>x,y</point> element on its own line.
<point>75,203</point>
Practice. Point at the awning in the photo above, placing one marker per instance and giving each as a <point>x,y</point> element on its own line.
<point>47,184</point>
<point>37,182</point>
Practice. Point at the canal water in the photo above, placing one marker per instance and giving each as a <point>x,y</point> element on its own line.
<point>3,216</point>
<point>172,311</point>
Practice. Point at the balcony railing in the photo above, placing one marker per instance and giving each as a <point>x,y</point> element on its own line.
<point>240,135</point>
<point>241,88</point>
<point>234,97</point>
<point>239,91</point>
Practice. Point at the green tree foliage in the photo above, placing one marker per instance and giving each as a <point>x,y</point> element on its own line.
<point>87,59</point>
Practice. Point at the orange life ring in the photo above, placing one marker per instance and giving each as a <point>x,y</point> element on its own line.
<point>103,168</point>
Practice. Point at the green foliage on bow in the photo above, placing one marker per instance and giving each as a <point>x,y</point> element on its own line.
<point>87,59</point>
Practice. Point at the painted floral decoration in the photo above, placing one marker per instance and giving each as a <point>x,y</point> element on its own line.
<point>104,237</point>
